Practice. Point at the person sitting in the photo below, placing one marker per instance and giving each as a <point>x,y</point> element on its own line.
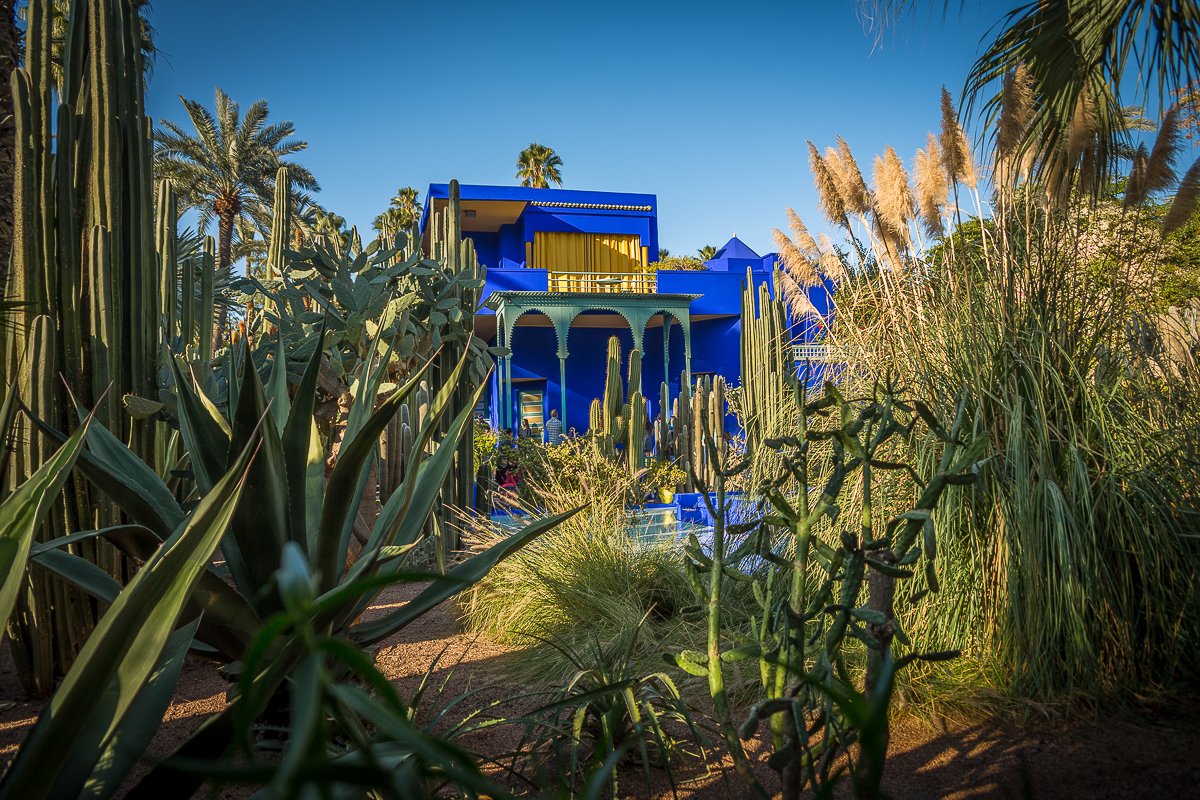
<point>507,479</point>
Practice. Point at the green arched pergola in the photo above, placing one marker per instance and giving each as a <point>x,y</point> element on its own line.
<point>562,308</point>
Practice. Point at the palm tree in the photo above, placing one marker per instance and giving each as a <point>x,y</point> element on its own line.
<point>305,216</point>
<point>707,253</point>
<point>227,169</point>
<point>539,166</point>
<point>402,212</point>
<point>1079,56</point>
<point>330,228</point>
<point>663,253</point>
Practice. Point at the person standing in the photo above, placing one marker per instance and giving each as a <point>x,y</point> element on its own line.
<point>554,428</point>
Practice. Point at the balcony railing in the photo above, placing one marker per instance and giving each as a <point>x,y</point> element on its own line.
<point>821,352</point>
<point>638,282</point>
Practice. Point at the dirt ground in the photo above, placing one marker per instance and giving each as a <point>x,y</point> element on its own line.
<point>1130,755</point>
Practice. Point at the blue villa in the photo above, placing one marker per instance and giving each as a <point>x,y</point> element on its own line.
<point>568,269</point>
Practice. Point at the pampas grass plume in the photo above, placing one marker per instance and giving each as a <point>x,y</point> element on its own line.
<point>796,264</point>
<point>858,198</point>
<point>796,296</point>
<point>951,154</point>
<point>1082,132</point>
<point>1160,166</point>
<point>1135,187</point>
<point>828,194</point>
<point>893,197</point>
<point>1016,110</point>
<point>803,238</point>
<point>1185,201</point>
<point>956,150</point>
<point>831,266</point>
<point>932,188</point>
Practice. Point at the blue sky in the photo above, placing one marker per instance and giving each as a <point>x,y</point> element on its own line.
<point>707,105</point>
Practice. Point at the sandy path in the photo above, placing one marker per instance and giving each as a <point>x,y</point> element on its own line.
<point>1136,755</point>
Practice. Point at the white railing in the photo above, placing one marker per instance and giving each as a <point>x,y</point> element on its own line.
<point>821,352</point>
<point>639,282</point>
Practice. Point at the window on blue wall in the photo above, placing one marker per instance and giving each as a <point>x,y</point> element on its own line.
<point>532,403</point>
<point>696,376</point>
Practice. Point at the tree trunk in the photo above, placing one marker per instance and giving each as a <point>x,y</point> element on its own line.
<point>225,219</point>
<point>10,49</point>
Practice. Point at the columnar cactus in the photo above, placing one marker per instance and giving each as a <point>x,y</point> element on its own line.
<point>166,242</point>
<point>612,386</point>
<point>281,224</point>
<point>637,430</point>
<point>458,259</point>
<point>766,371</point>
<point>281,233</point>
<point>596,416</point>
<point>83,256</point>
<point>205,312</point>
<point>614,422</point>
<point>635,371</point>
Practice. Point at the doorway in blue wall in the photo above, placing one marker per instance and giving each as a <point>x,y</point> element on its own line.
<point>530,400</point>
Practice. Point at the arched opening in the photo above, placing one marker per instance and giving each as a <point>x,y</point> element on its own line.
<point>586,369</point>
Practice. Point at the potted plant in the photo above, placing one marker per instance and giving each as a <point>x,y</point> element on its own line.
<point>662,478</point>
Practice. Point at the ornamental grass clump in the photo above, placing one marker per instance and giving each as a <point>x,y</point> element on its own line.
<point>583,591</point>
<point>1067,568</point>
<point>587,588</point>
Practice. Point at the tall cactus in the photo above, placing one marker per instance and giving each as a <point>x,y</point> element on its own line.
<point>281,232</point>
<point>637,430</point>
<point>205,311</point>
<point>458,259</point>
<point>281,224</point>
<point>83,257</point>
<point>612,386</point>
<point>166,242</point>
<point>615,422</point>
<point>766,371</point>
<point>596,416</point>
<point>695,409</point>
<point>635,370</point>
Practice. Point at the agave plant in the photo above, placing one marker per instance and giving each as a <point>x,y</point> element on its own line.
<point>106,709</point>
<point>295,509</point>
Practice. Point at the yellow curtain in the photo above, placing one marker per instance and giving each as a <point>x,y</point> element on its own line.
<point>598,253</point>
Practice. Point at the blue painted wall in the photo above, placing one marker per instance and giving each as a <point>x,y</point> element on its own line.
<point>715,349</point>
<point>715,340</point>
<point>505,248</point>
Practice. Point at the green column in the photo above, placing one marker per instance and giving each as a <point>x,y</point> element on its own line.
<point>508,398</point>
<point>685,323</point>
<point>666,346</point>
<point>561,317</point>
<point>501,366</point>
<point>562,387</point>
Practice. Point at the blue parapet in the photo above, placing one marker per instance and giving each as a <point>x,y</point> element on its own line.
<point>514,280</point>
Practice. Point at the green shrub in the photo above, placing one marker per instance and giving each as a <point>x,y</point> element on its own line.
<point>679,263</point>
